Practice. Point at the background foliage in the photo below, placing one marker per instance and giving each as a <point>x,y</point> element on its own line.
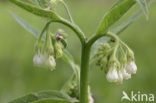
<point>18,76</point>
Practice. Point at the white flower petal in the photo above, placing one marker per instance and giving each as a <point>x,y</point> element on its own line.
<point>38,60</point>
<point>112,75</point>
<point>125,74</point>
<point>131,68</point>
<point>44,60</point>
<point>51,62</point>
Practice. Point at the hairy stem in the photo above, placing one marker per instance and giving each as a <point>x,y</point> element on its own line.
<point>85,57</point>
<point>44,29</point>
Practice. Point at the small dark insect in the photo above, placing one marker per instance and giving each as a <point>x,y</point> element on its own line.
<point>112,40</point>
<point>59,37</point>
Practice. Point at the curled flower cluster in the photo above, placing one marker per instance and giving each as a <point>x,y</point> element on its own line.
<point>117,60</point>
<point>47,51</point>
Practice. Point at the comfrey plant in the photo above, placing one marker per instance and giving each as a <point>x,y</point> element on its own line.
<point>112,55</point>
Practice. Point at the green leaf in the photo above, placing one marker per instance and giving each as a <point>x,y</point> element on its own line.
<point>39,96</point>
<point>126,24</point>
<point>43,3</point>
<point>144,6</point>
<point>52,101</point>
<point>25,25</point>
<point>114,14</point>
<point>34,2</point>
<point>37,11</point>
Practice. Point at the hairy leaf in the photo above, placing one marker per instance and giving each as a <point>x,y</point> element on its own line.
<point>114,14</point>
<point>25,25</point>
<point>53,95</point>
<point>37,11</point>
<point>126,24</point>
<point>43,3</point>
<point>34,2</point>
<point>144,6</point>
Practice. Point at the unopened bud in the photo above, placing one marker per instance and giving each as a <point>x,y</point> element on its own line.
<point>58,49</point>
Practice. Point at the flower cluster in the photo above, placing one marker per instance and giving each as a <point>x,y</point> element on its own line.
<point>117,60</point>
<point>46,51</point>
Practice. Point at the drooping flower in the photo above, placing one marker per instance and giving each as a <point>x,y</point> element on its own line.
<point>112,75</point>
<point>125,74</point>
<point>38,59</point>
<point>50,63</point>
<point>44,60</point>
<point>131,67</point>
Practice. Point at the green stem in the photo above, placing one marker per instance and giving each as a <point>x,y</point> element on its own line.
<point>44,29</point>
<point>75,28</point>
<point>47,36</point>
<point>85,57</point>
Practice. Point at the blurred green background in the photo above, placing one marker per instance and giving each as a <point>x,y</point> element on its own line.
<point>18,76</point>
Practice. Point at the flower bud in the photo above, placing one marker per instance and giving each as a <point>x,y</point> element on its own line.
<point>38,46</point>
<point>50,63</point>
<point>102,56</point>
<point>62,32</point>
<point>131,67</point>
<point>58,49</point>
<point>54,2</point>
<point>38,59</point>
<point>103,63</point>
<point>104,48</point>
<point>51,50</point>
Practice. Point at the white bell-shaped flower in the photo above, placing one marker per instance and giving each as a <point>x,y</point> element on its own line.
<point>50,62</point>
<point>38,59</point>
<point>112,75</point>
<point>131,67</point>
<point>44,60</point>
<point>125,74</point>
